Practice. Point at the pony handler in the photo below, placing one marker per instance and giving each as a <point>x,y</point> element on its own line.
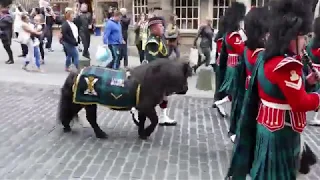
<point>144,88</point>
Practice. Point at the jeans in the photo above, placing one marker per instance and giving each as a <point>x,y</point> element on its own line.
<point>124,54</point>
<point>48,35</point>
<point>115,52</point>
<point>72,54</point>
<point>85,39</point>
<point>207,53</point>
<point>174,49</point>
<point>37,56</point>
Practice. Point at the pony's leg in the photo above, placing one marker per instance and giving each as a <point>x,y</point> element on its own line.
<point>91,113</point>
<point>152,115</point>
<point>142,119</point>
<point>67,111</point>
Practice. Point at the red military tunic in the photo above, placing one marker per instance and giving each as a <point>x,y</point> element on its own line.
<point>250,59</point>
<point>219,47</point>
<point>286,75</point>
<point>235,47</point>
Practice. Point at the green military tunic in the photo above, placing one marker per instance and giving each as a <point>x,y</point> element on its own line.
<point>155,48</point>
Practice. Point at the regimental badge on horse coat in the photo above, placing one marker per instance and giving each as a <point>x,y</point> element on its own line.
<point>104,86</point>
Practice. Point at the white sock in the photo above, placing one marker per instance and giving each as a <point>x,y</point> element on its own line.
<point>222,101</point>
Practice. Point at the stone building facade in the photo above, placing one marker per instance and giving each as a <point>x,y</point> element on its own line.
<point>191,13</point>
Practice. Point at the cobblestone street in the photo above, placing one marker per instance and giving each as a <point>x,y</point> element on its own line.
<point>33,146</point>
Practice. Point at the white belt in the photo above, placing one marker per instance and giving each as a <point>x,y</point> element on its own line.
<point>233,55</point>
<point>276,105</point>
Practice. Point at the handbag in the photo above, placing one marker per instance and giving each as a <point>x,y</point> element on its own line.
<point>193,56</point>
<point>103,55</point>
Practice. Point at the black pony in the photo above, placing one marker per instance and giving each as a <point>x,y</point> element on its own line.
<point>143,88</point>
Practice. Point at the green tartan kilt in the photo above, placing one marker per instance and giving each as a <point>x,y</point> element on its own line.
<point>227,84</point>
<point>276,154</point>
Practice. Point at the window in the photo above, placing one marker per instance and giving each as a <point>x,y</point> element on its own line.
<point>219,8</point>
<point>188,13</point>
<point>259,3</point>
<point>139,6</point>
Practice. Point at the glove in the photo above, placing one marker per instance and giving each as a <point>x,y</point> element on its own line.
<point>313,77</point>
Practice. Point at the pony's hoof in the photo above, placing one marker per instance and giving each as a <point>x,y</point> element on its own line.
<point>143,137</point>
<point>102,135</point>
<point>66,129</point>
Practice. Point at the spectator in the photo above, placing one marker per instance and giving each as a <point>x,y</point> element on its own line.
<point>69,37</point>
<point>6,23</point>
<point>172,35</point>
<point>125,22</point>
<point>141,30</point>
<point>26,33</point>
<point>84,24</point>
<point>49,21</point>
<point>17,27</point>
<point>205,47</point>
<point>112,37</point>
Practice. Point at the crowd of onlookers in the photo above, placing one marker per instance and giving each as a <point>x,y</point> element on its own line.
<point>33,29</point>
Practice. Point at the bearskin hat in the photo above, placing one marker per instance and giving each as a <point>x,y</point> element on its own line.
<point>256,26</point>
<point>221,29</point>
<point>290,18</point>
<point>5,3</point>
<point>155,20</point>
<point>233,16</point>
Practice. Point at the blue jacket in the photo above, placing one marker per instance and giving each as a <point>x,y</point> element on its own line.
<point>112,32</point>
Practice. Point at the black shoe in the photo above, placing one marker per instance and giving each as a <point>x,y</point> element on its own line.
<point>86,56</point>
<point>195,69</point>
<point>9,61</point>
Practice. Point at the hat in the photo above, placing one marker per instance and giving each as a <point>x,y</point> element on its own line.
<point>233,16</point>
<point>290,18</point>
<point>155,20</point>
<point>256,26</point>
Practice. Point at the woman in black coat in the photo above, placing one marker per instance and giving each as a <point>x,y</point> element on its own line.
<point>69,37</point>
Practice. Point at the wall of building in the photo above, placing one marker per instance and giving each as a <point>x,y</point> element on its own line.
<point>206,9</point>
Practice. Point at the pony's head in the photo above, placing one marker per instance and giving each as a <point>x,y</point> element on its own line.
<point>163,76</point>
<point>173,76</point>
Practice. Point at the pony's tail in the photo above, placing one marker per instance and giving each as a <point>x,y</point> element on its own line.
<point>65,102</point>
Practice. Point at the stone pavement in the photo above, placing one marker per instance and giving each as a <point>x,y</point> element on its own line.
<point>33,145</point>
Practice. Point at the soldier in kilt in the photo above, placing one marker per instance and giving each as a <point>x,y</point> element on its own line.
<point>268,144</point>
<point>156,48</point>
<point>313,51</point>
<point>256,28</point>
<point>232,47</point>
<point>218,40</point>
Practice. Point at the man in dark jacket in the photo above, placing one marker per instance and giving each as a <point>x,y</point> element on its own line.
<point>125,22</point>
<point>50,20</point>
<point>84,24</point>
<point>6,23</point>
